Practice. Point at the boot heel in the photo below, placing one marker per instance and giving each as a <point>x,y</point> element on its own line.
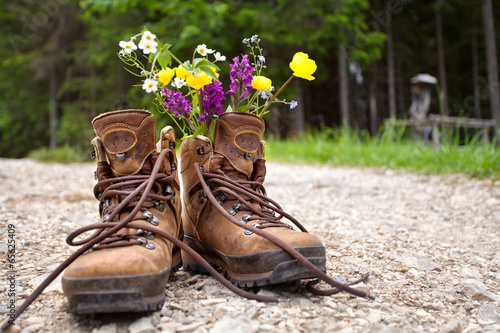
<point>190,263</point>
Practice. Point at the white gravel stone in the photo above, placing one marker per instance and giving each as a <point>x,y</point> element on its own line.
<point>142,325</point>
<point>453,326</point>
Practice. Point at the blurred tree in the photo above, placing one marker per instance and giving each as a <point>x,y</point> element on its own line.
<point>58,63</point>
<point>34,67</point>
<point>441,57</point>
<point>491,57</point>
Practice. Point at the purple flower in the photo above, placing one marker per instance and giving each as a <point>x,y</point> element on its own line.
<point>241,80</point>
<point>212,97</point>
<point>176,103</point>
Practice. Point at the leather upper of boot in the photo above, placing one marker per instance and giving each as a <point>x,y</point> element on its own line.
<point>236,154</point>
<point>128,138</point>
<point>132,133</point>
<point>237,138</point>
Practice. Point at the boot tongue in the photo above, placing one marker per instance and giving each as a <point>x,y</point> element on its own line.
<point>128,138</point>
<point>237,138</point>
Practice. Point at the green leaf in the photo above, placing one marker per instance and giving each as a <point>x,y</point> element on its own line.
<point>202,62</point>
<point>165,60</point>
<point>152,56</point>
<point>188,66</point>
<point>209,72</point>
<point>243,108</point>
<point>211,130</point>
<point>198,131</point>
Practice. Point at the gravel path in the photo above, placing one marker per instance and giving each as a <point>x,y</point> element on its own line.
<point>431,244</point>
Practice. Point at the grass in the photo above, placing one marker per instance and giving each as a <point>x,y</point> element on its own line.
<point>391,150</point>
<point>63,154</point>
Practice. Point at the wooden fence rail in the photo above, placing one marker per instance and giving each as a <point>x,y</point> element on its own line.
<point>435,121</point>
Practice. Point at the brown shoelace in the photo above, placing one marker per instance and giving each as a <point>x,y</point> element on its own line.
<point>147,187</point>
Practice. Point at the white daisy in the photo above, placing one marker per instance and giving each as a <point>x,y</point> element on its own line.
<point>148,46</point>
<point>203,50</point>
<point>128,47</point>
<point>148,36</point>
<point>178,83</point>
<point>150,85</point>
<point>219,57</point>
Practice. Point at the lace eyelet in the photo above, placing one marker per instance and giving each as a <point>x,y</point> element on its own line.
<point>150,246</point>
<point>168,190</point>
<point>121,157</point>
<point>222,198</point>
<point>155,221</point>
<point>151,218</point>
<point>202,196</point>
<point>255,225</point>
<point>158,205</point>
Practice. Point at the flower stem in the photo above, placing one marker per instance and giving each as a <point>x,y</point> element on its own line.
<point>154,61</point>
<point>253,99</point>
<point>276,95</point>
<point>174,57</point>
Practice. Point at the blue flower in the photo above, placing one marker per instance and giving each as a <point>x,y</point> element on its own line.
<point>293,104</point>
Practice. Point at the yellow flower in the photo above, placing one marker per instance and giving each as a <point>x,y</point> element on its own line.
<point>165,75</point>
<point>182,72</point>
<point>198,82</point>
<point>302,66</point>
<point>261,82</point>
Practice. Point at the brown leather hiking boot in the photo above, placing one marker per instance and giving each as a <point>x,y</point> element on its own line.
<point>138,193</point>
<point>226,211</point>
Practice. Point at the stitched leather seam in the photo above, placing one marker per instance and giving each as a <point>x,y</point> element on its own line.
<point>246,151</point>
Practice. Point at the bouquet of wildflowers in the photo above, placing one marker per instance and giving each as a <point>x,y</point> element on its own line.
<point>191,92</point>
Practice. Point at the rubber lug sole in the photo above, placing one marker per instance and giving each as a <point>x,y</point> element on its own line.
<point>256,269</point>
<point>108,294</point>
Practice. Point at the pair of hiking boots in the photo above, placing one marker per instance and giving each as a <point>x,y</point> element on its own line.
<point>224,223</point>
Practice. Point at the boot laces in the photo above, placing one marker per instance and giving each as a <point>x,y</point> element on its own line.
<point>120,191</point>
<point>250,197</point>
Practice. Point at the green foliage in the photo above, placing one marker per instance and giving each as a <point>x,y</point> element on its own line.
<point>77,41</point>
<point>391,150</point>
